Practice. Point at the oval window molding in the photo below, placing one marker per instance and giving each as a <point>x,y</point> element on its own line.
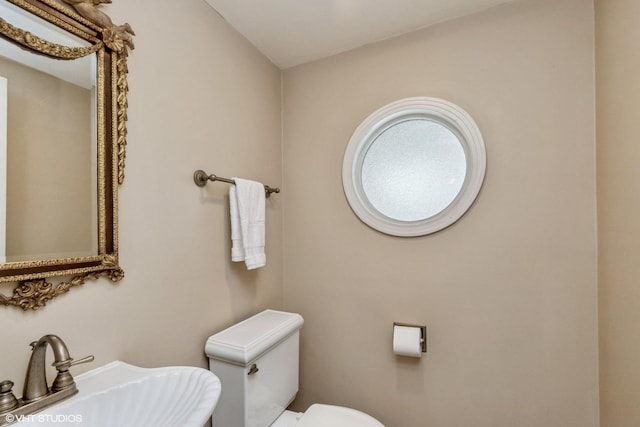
<point>414,166</point>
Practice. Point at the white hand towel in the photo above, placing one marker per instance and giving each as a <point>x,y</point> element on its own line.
<point>237,249</point>
<point>249,213</point>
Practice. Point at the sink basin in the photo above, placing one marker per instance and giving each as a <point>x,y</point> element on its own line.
<point>123,395</point>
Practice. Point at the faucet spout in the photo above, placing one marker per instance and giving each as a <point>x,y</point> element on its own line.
<point>35,385</point>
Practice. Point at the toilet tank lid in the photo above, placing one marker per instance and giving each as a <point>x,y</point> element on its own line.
<point>244,342</point>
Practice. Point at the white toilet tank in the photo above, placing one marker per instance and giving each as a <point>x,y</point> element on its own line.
<point>257,363</point>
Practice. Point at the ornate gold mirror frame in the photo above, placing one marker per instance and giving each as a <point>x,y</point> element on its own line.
<point>110,43</point>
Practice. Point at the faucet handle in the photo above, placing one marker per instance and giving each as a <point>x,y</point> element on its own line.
<point>86,359</point>
<point>64,365</point>
<point>8,400</point>
<point>64,379</point>
<point>6,386</point>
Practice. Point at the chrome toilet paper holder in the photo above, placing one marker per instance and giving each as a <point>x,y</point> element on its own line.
<point>423,333</point>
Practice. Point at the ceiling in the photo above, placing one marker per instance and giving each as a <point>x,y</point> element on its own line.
<point>292,32</point>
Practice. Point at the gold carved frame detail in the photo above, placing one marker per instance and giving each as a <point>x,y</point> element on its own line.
<point>111,43</point>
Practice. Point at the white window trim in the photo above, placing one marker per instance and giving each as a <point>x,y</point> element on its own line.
<point>441,111</point>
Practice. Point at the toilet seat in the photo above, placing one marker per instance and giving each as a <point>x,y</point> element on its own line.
<point>319,415</point>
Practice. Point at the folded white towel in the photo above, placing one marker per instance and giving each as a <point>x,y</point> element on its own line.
<point>237,249</point>
<point>247,210</point>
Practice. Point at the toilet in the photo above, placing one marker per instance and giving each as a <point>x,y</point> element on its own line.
<point>256,361</point>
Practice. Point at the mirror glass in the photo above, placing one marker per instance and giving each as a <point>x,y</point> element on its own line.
<point>49,161</point>
<point>414,166</point>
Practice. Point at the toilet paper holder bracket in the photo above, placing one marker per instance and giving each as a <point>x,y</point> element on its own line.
<point>423,333</point>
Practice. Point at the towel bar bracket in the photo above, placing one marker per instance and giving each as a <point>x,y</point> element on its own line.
<point>201,178</point>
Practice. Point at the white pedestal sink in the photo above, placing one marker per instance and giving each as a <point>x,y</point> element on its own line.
<point>123,395</point>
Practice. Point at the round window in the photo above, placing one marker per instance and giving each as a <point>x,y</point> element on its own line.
<point>414,166</point>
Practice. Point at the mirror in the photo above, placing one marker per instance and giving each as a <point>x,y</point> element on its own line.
<point>414,166</point>
<point>63,91</point>
<point>51,127</point>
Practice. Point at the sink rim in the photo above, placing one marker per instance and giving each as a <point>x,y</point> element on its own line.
<point>121,373</point>
<point>117,375</point>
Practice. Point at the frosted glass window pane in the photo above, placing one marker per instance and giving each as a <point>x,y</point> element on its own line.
<point>413,170</point>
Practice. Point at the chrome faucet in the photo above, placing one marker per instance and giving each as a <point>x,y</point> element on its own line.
<point>37,395</point>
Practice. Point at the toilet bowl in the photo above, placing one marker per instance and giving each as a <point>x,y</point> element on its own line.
<point>319,415</point>
<point>256,361</point>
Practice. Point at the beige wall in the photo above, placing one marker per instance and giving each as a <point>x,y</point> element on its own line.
<point>618,91</point>
<point>200,97</point>
<point>509,293</point>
